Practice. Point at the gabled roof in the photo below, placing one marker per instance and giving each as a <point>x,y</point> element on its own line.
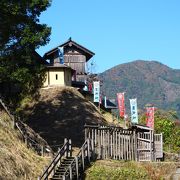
<point>70,42</point>
<point>109,104</point>
<point>39,58</point>
<point>60,66</point>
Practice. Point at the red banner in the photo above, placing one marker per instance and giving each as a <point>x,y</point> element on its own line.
<point>121,105</point>
<point>150,117</point>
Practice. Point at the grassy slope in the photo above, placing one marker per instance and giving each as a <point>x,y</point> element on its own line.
<point>59,113</point>
<point>120,170</point>
<point>16,161</point>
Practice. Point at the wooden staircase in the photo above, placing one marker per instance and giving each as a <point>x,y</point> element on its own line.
<point>60,172</point>
<point>66,167</point>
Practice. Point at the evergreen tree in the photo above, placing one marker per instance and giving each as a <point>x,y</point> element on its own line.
<point>21,70</point>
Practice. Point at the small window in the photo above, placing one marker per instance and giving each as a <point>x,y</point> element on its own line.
<point>56,76</point>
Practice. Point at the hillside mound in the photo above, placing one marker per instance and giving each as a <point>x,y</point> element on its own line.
<point>61,112</point>
<point>16,160</point>
<point>148,81</point>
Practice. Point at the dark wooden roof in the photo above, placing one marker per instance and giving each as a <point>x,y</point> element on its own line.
<point>39,58</point>
<point>78,84</point>
<point>141,127</point>
<point>60,66</point>
<point>86,51</point>
<point>109,103</point>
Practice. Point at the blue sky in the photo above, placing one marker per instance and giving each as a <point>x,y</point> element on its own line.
<point>117,31</point>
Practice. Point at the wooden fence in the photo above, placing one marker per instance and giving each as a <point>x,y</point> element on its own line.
<point>124,144</point>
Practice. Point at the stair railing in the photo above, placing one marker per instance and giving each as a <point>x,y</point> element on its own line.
<point>80,161</point>
<point>7,110</point>
<point>65,151</point>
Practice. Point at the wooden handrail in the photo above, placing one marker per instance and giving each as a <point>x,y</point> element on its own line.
<point>52,166</point>
<point>21,127</point>
<point>75,165</point>
<point>6,109</point>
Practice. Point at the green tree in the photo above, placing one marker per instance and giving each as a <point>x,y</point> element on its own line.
<point>21,69</point>
<point>165,123</point>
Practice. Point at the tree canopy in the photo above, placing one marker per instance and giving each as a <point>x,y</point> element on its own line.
<point>21,68</point>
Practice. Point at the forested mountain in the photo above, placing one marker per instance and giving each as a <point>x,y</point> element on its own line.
<point>149,81</point>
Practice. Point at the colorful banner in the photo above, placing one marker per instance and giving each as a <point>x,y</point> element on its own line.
<point>134,113</point>
<point>150,117</point>
<point>96,88</point>
<point>61,54</point>
<point>121,105</point>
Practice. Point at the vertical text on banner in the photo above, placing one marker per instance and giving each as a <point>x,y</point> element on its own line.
<point>121,105</point>
<point>134,113</point>
<point>150,117</point>
<point>96,85</point>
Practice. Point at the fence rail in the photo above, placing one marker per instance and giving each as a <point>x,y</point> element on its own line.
<point>34,142</point>
<point>65,151</point>
<point>80,161</point>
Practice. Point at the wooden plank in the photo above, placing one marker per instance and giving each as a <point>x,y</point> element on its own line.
<point>123,146</point>
<point>77,167</point>
<point>119,145</point>
<point>114,145</point>
<point>111,151</point>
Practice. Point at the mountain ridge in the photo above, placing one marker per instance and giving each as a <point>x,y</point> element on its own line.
<point>148,81</point>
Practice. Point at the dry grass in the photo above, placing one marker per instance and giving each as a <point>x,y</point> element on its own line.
<point>61,112</point>
<point>111,119</point>
<point>16,160</point>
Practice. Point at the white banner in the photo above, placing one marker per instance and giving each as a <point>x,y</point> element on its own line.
<point>134,113</point>
<point>96,87</point>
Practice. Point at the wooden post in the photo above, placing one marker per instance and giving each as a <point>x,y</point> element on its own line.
<point>70,172</point>
<point>103,145</point>
<point>65,147</point>
<point>99,143</point>
<point>85,132</point>
<point>123,157</point>
<point>88,149</point>
<point>162,145</point>
<point>82,152</point>
<point>64,178</point>
<point>111,153</point>
<point>151,146</point>
<point>108,145</point>
<point>92,140</point>
<point>132,144</point>
<point>95,138</point>
<point>119,145</point>
<point>127,142</point>
<point>70,148</point>
<point>77,167</point>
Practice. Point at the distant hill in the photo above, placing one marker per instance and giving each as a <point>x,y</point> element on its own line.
<point>148,81</point>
